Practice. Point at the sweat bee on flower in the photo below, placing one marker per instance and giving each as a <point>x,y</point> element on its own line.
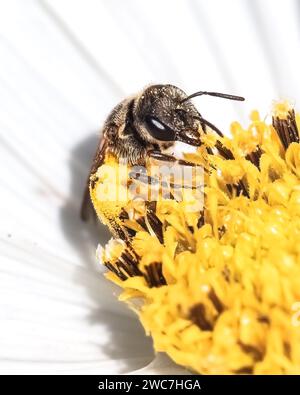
<point>218,288</point>
<point>139,132</point>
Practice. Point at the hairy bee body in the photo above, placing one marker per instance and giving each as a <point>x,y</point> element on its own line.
<point>109,194</point>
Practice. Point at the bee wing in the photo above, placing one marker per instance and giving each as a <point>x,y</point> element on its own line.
<point>87,210</point>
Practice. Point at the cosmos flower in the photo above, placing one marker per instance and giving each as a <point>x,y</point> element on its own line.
<point>217,288</point>
<point>59,80</point>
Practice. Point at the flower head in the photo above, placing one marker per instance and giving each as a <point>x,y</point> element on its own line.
<point>215,288</point>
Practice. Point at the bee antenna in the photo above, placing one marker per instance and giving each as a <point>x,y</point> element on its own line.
<point>210,125</point>
<point>216,94</point>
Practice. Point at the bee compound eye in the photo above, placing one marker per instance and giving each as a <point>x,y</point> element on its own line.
<point>159,130</point>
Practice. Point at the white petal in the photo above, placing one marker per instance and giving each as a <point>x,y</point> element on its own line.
<point>58,317</point>
<point>162,364</point>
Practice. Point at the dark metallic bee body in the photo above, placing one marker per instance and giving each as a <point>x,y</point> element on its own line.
<point>148,124</point>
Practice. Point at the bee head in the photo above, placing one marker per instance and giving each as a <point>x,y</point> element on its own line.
<point>163,116</point>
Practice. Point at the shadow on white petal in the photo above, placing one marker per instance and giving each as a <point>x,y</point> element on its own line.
<point>162,364</point>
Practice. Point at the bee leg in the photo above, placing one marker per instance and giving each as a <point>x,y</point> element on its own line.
<point>158,155</point>
<point>154,181</point>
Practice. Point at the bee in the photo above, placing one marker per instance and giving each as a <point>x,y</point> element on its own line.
<point>140,128</point>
